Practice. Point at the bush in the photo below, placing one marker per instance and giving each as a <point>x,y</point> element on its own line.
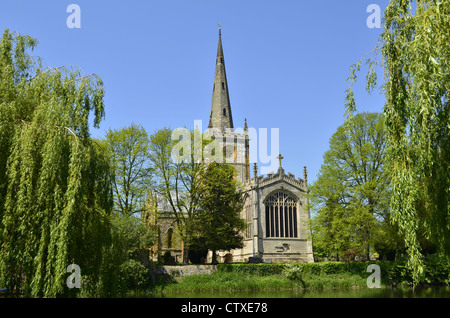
<point>253,269</point>
<point>293,272</point>
<point>134,275</point>
<point>436,270</point>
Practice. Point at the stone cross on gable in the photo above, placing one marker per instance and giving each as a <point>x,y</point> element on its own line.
<point>279,158</point>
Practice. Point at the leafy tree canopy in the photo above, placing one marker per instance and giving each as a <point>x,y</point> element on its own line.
<point>128,153</point>
<point>54,181</point>
<point>415,58</point>
<point>351,194</point>
<point>218,224</point>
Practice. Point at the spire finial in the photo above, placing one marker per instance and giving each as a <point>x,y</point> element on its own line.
<point>220,28</point>
<point>305,175</point>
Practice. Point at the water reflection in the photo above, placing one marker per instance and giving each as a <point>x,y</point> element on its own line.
<point>421,292</point>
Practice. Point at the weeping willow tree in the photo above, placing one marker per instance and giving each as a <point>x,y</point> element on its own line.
<point>55,195</point>
<point>415,51</point>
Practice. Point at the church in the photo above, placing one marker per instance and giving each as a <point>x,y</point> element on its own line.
<point>275,206</point>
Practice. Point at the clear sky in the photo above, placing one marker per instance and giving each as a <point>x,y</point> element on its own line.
<point>287,61</point>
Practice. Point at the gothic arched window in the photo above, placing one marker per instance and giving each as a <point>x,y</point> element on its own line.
<point>247,215</point>
<point>281,215</point>
<point>169,238</point>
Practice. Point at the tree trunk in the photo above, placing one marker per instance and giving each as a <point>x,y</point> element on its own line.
<point>214,257</point>
<point>185,256</point>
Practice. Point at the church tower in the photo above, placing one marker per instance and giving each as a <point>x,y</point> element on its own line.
<point>236,145</point>
<point>220,116</point>
<point>276,206</point>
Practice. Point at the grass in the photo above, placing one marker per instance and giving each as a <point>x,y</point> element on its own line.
<point>232,281</point>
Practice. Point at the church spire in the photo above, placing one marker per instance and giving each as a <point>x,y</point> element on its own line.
<point>220,116</point>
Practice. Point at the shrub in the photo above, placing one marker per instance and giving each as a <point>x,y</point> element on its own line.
<point>134,275</point>
<point>293,272</point>
<point>254,269</point>
<point>436,270</point>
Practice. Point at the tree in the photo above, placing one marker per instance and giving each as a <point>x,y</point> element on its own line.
<point>178,182</point>
<point>194,190</point>
<point>131,240</point>
<point>352,191</point>
<point>127,150</point>
<point>55,195</point>
<point>218,224</point>
<point>415,59</point>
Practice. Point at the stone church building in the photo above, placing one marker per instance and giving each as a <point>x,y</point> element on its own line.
<point>275,207</point>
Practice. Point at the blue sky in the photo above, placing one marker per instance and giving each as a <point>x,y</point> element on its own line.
<point>287,61</point>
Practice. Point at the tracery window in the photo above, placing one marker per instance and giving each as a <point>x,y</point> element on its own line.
<point>281,215</point>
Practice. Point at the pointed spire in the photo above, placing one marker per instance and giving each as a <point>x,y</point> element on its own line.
<point>220,116</point>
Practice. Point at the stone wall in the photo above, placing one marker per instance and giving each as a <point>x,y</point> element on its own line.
<point>185,270</point>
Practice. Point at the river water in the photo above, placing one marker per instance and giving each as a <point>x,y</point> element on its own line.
<point>420,292</point>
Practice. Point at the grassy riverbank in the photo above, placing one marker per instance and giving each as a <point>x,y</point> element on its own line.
<point>277,277</point>
<point>232,281</point>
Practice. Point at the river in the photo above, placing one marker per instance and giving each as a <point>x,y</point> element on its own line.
<point>420,292</point>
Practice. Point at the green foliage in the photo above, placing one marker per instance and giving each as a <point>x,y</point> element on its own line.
<point>204,199</point>
<point>415,60</point>
<point>127,151</point>
<point>351,194</point>
<point>130,235</point>
<point>218,224</point>
<point>437,271</point>
<point>133,275</point>
<point>127,257</point>
<point>348,276</point>
<point>251,269</point>
<point>293,272</point>
<point>54,181</point>
<point>228,281</point>
<point>177,182</point>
